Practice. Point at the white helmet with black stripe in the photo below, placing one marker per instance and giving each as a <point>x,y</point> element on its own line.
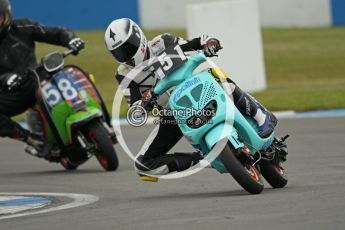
<point>126,42</point>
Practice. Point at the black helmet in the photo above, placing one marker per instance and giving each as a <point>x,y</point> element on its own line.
<point>5,16</point>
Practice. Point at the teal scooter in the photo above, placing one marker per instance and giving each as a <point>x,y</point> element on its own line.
<point>209,119</point>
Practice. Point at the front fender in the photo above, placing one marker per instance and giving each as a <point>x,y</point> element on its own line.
<point>220,132</point>
<point>80,118</point>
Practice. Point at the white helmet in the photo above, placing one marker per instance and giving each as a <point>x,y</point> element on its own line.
<point>126,42</point>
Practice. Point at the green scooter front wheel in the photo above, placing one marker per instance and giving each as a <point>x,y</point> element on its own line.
<point>105,151</point>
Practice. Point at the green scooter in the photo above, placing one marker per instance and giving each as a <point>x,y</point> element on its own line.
<point>71,115</point>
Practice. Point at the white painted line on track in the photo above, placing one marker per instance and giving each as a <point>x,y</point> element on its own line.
<point>14,204</point>
<point>283,114</point>
<point>78,201</point>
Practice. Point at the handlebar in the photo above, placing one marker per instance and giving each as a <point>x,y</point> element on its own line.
<point>71,51</point>
<point>67,53</point>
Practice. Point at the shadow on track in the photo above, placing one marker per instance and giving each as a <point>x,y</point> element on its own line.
<point>211,195</point>
<point>188,196</point>
<point>56,172</point>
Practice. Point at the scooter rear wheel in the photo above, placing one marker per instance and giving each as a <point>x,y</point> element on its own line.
<point>275,175</point>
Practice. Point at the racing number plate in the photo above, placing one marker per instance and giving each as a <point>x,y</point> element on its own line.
<point>169,60</point>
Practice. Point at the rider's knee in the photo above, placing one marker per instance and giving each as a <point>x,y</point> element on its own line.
<point>139,165</point>
<point>150,167</point>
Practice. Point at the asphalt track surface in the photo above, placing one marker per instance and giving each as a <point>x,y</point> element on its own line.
<point>314,198</point>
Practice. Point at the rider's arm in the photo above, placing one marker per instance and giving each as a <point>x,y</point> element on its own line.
<point>210,45</point>
<point>52,35</point>
<point>204,42</point>
<point>193,44</point>
<point>186,45</point>
<point>130,91</point>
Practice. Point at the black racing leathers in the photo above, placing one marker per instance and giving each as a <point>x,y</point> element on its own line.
<point>17,54</point>
<point>153,158</point>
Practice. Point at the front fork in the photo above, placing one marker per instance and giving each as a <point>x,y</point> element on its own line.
<point>89,146</point>
<point>276,154</point>
<point>111,132</point>
<point>277,151</point>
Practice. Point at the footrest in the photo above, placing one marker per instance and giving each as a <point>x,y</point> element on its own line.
<point>149,178</point>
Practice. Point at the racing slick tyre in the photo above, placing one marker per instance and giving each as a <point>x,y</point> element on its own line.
<point>245,174</point>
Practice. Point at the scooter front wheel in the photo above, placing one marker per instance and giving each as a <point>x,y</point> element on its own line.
<point>105,152</point>
<point>245,174</point>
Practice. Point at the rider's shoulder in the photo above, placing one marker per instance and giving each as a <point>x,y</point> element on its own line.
<point>163,39</point>
<point>22,23</point>
<point>168,37</point>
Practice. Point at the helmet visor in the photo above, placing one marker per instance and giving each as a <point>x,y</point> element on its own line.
<point>127,50</point>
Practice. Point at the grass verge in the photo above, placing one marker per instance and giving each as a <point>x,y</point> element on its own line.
<point>305,67</point>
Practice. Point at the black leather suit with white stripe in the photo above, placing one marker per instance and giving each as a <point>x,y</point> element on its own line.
<point>153,156</point>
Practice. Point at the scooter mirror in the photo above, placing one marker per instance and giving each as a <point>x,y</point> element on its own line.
<point>53,61</point>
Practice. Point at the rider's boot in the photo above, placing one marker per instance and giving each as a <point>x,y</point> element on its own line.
<point>165,164</point>
<point>264,118</point>
<point>36,144</point>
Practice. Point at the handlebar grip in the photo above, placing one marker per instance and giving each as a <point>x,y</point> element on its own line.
<point>67,53</point>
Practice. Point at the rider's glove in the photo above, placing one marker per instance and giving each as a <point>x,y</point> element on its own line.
<point>211,47</point>
<point>76,44</point>
<point>146,96</point>
<point>11,81</point>
<point>148,100</point>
